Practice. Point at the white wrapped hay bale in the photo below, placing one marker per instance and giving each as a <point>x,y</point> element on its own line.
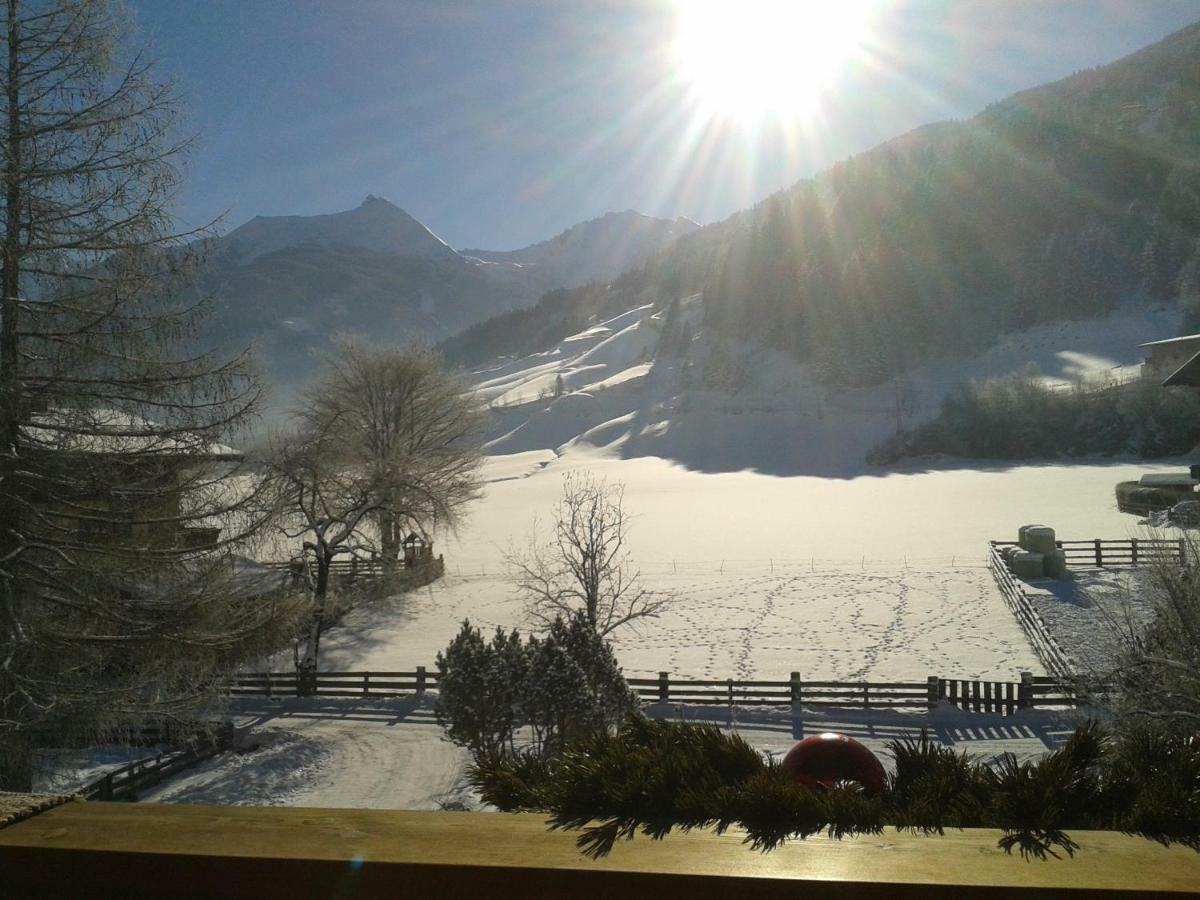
<point>1040,539</point>
<point>1028,565</point>
<point>1055,564</point>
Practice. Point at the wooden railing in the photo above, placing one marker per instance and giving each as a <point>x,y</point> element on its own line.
<point>152,850</point>
<point>1049,651</point>
<point>124,782</point>
<point>1000,697</point>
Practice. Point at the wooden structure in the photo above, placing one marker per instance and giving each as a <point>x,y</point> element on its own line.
<point>417,551</point>
<point>154,850</point>
<point>1173,361</point>
<point>116,450</point>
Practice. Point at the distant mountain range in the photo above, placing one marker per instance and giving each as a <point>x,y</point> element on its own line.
<point>1059,203</point>
<point>293,282</point>
<point>593,251</point>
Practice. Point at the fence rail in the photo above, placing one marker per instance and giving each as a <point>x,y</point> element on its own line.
<point>355,570</point>
<point>123,783</point>
<point>973,695</point>
<point>1049,651</point>
<point>1121,552</point>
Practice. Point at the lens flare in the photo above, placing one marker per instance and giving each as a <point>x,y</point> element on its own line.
<point>749,59</point>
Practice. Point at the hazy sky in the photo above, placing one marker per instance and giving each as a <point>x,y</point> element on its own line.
<point>498,124</point>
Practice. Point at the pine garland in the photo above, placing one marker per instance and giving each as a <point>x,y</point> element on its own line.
<point>655,776</point>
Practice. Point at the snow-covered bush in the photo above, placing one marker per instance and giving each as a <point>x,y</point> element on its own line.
<point>1158,673</point>
<point>563,685</point>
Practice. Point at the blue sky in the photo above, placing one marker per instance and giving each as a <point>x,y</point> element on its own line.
<point>499,124</point>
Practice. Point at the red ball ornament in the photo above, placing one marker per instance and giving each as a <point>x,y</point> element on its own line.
<point>823,760</point>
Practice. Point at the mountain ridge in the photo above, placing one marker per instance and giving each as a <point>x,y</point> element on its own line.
<point>1058,202</point>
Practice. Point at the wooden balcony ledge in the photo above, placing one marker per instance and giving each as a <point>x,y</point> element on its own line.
<point>148,850</point>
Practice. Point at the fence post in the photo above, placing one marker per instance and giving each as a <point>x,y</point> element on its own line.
<point>664,687</point>
<point>866,699</point>
<point>1025,691</point>
<point>1099,555</point>
<point>1133,544</point>
<point>931,691</point>
<point>106,788</point>
<point>795,686</point>
<point>1182,553</point>
<point>420,681</point>
<point>268,684</point>
<point>366,683</point>
<point>729,687</point>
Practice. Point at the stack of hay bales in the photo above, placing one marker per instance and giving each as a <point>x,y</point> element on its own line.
<point>1037,554</point>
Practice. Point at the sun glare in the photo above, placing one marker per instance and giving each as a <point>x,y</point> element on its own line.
<point>752,58</point>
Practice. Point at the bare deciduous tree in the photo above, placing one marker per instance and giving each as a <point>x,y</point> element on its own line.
<point>406,425</point>
<point>385,442</point>
<point>109,416</point>
<point>585,567</point>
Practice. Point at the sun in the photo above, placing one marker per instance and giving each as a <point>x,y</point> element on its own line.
<point>751,58</point>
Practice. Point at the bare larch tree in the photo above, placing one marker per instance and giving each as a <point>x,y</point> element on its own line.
<point>585,567</point>
<point>112,480</point>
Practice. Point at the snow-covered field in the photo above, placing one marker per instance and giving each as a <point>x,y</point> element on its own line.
<point>755,512</point>
<point>1089,611</point>
<point>873,577</point>
<point>834,623</point>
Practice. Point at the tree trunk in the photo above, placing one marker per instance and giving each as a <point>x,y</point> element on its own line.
<point>308,665</point>
<point>389,539</point>
<point>16,762</point>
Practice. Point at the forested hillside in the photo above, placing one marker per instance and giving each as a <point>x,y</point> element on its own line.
<point>1053,204</point>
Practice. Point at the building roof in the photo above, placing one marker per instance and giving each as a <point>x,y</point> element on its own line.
<point>110,432</point>
<point>1187,375</point>
<point>1183,338</point>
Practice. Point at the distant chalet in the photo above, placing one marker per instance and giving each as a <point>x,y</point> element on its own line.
<point>150,470</point>
<point>1175,361</point>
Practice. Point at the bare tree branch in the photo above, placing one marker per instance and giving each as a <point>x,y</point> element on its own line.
<point>585,567</point>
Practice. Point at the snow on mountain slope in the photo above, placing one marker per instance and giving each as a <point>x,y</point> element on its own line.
<point>779,418</point>
<point>595,250</point>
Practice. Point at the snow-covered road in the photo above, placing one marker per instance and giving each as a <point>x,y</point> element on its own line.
<point>322,753</point>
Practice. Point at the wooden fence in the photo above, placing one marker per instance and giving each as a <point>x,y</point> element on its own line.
<point>123,783</point>
<point>1101,554</point>
<point>335,684</point>
<point>356,570</point>
<point>1049,651</point>
<point>1095,553</point>
<point>1000,697</point>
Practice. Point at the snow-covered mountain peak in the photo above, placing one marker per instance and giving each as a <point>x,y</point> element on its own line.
<point>376,225</point>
